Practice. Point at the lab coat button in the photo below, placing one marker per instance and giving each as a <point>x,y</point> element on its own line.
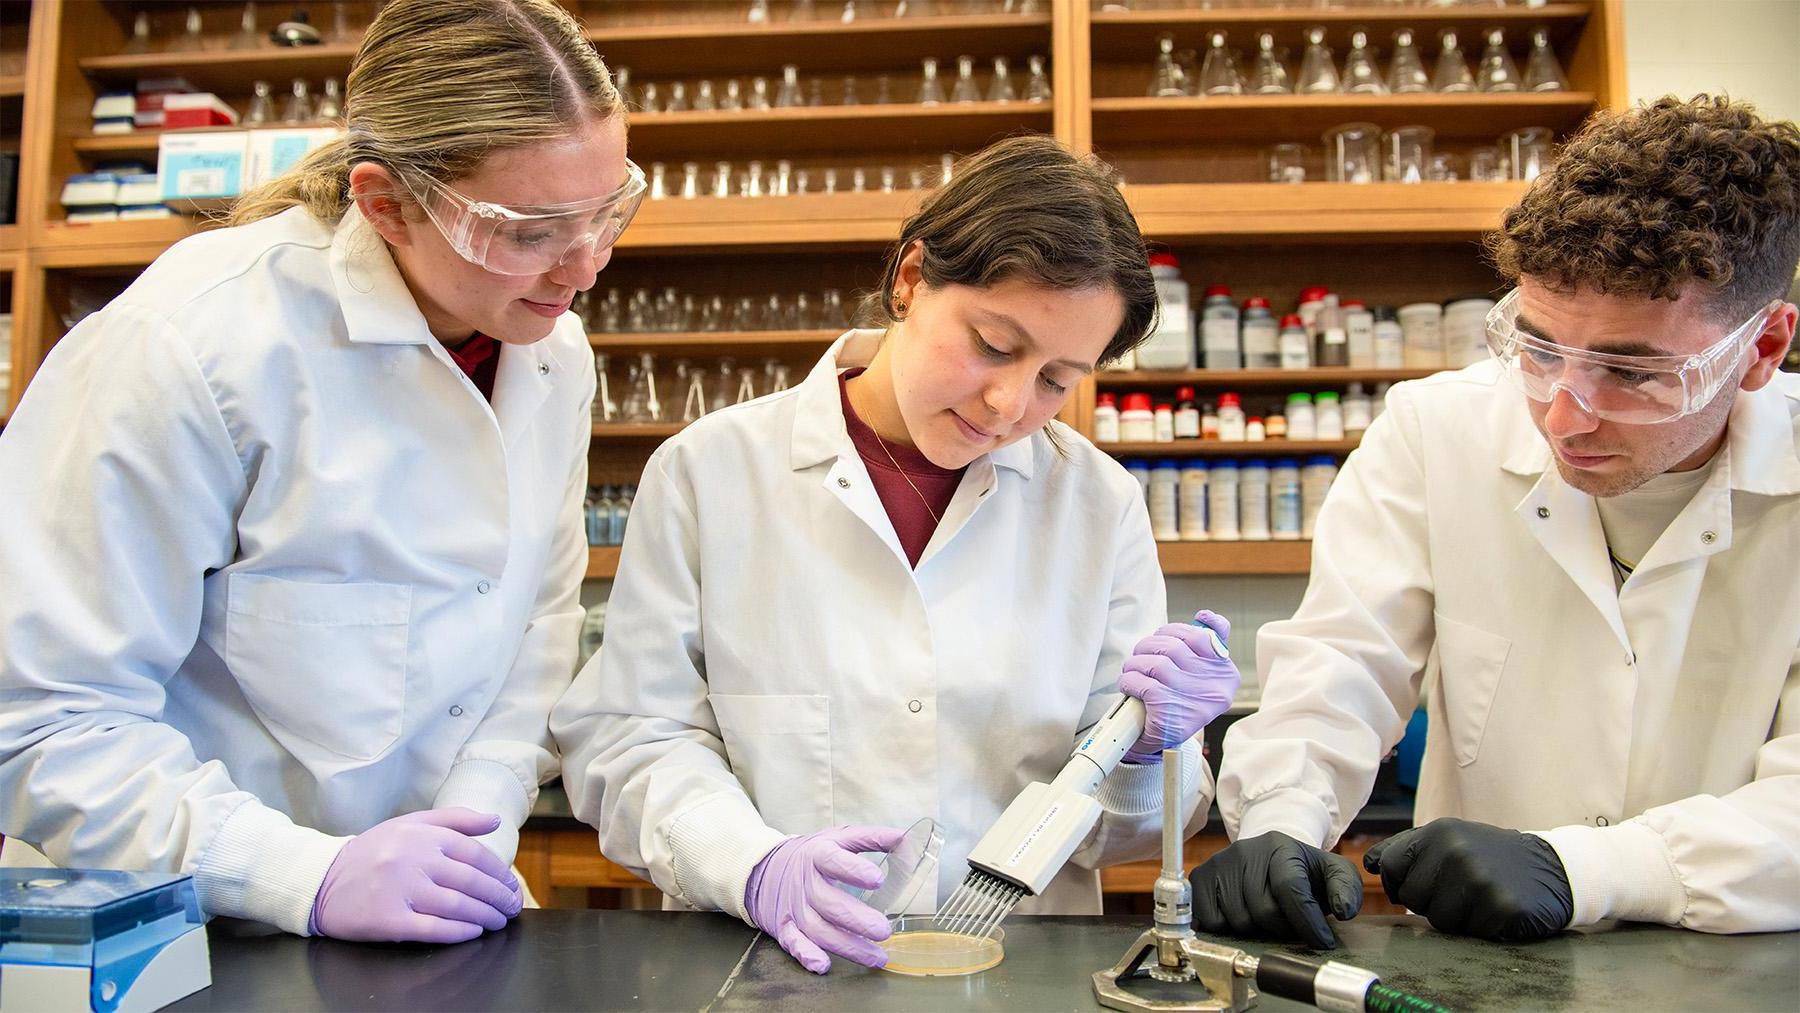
<point>483,588</point>
<point>1630,659</point>
<point>843,483</point>
<point>1708,537</point>
<point>914,706</point>
<point>1601,821</point>
<point>1543,511</point>
<point>456,711</point>
<point>543,369</point>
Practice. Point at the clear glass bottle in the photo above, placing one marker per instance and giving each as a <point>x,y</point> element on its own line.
<point>789,95</point>
<point>140,35</point>
<point>1406,71</point>
<point>690,180</point>
<point>1270,76</point>
<point>704,99</point>
<point>331,104</point>
<point>262,106</point>
<point>784,179</point>
<point>849,13</point>
<point>605,408</point>
<point>746,385</point>
<point>678,100</point>
<point>759,94</point>
<point>965,90</point>
<point>931,91</point>
<point>721,180</point>
<point>831,309</point>
<point>1219,74</point>
<point>884,90</point>
<point>299,107</point>
<point>849,96</point>
<point>815,93</point>
<point>622,81</point>
<point>887,179</point>
<point>1318,71</point>
<point>758,13</point>
<point>247,36</point>
<point>1497,72</point>
<point>1362,70</point>
<point>1001,88</point>
<point>753,181</point>
<point>193,39</point>
<point>831,180</point>
<point>1452,73</point>
<point>1543,72</point>
<point>1166,78</point>
<point>1037,87</point>
<point>340,25</point>
<point>722,388</point>
<point>733,101</point>
<point>650,98</point>
<point>659,181</point>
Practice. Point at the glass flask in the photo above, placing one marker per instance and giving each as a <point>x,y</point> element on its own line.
<point>815,93</point>
<point>1166,78</point>
<point>734,99</point>
<point>1362,71</point>
<point>1001,88</point>
<point>1452,73</point>
<point>1543,72</point>
<point>965,91</point>
<point>193,39</point>
<point>693,403</point>
<point>678,100</point>
<point>1352,153</point>
<point>650,98</point>
<point>1406,71</point>
<point>746,385</point>
<point>1269,75</point>
<point>622,81</point>
<point>1219,73</point>
<point>140,35</point>
<point>722,387</point>
<point>721,180</point>
<point>605,408</point>
<point>299,107</point>
<point>789,95</point>
<point>704,99</point>
<point>849,13</point>
<point>247,36</point>
<point>659,181</point>
<point>1286,163</point>
<point>1496,72</point>
<point>759,94</point>
<point>331,104</point>
<point>340,24</point>
<point>1318,72</point>
<point>1037,87</point>
<point>884,90</point>
<point>262,106</point>
<point>751,184</point>
<point>849,97</point>
<point>690,180</point>
<point>758,14</point>
<point>1526,152</point>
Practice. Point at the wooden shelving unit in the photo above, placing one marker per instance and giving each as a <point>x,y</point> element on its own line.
<point>1233,448</point>
<point>1188,166</point>
<point>603,562</point>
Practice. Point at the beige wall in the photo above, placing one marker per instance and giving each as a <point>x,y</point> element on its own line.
<point>1742,47</point>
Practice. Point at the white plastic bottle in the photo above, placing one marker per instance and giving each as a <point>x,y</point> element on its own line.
<point>1311,301</point>
<point>1253,501</point>
<point>1187,415</point>
<point>1390,344</point>
<point>1219,330</point>
<point>1254,430</point>
<point>1301,422</point>
<point>1222,502</point>
<point>1137,424</point>
<point>1295,344</point>
<point>1465,330</point>
<point>1165,482</point>
<point>1422,332</point>
<point>1171,344</point>
<point>1284,500</point>
<point>1231,418</point>
<point>1140,470</point>
<point>1261,335</point>
<point>1358,410</point>
<point>1191,502</point>
<point>1106,419</point>
<point>1359,324</point>
<point>1315,482</point>
<point>1328,412</point>
<point>1163,421</point>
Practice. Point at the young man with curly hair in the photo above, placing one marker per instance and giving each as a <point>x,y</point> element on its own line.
<point>1582,555</point>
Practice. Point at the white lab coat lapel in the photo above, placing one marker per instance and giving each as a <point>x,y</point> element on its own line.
<point>821,437</point>
<point>1567,525</point>
<point>525,377</point>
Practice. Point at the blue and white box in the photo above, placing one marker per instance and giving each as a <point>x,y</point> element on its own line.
<point>202,165</point>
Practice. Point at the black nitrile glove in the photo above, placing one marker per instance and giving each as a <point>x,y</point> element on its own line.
<point>1472,879</point>
<point>1275,886</point>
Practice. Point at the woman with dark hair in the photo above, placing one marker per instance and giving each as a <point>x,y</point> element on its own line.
<point>900,589</point>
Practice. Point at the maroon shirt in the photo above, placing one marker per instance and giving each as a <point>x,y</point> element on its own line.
<point>907,507</point>
<point>479,359</point>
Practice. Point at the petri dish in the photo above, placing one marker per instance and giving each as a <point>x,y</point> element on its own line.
<point>919,948</point>
<point>909,871</point>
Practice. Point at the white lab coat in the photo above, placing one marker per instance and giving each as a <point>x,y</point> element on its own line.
<point>1652,734</point>
<point>773,665</point>
<point>275,570</point>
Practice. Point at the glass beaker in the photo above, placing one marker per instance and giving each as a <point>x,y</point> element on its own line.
<point>1497,72</point>
<point>1406,154</point>
<point>1543,72</point>
<point>1362,73</point>
<point>1219,73</point>
<point>1406,71</point>
<point>1269,75</point>
<point>1445,168</point>
<point>1286,163</point>
<point>1486,166</point>
<point>1318,74</point>
<point>1452,74</point>
<point>331,104</point>
<point>1352,153</point>
<point>1527,152</point>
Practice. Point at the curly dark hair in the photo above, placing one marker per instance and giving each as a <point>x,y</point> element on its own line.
<point>1644,202</point>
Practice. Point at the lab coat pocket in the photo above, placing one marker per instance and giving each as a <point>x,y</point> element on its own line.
<point>780,749</point>
<point>322,664</point>
<point>1470,665</point>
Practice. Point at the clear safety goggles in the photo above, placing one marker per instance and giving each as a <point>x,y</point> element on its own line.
<point>1633,389</point>
<point>530,240</point>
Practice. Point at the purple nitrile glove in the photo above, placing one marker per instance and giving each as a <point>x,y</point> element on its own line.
<point>793,895</point>
<point>418,878</point>
<point>1185,678</point>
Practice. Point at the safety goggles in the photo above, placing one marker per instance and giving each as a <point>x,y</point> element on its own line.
<point>530,240</point>
<point>1633,389</point>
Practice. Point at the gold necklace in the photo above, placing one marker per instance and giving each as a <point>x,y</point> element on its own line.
<point>935,519</point>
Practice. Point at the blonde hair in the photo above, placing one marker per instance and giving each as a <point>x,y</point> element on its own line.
<point>436,86</point>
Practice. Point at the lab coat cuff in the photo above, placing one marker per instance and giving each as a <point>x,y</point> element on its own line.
<point>263,867</point>
<point>1623,872</point>
<point>489,786</point>
<point>712,849</point>
<point>1134,789</point>
<point>1286,810</point>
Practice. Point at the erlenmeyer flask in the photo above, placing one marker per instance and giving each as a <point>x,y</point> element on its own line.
<point>965,90</point>
<point>831,180</point>
<point>1001,89</point>
<point>712,315</point>
<point>946,169</point>
<point>759,93</point>
<point>884,91</point>
<point>1165,78</point>
<point>247,37</point>
<point>650,98</point>
<point>262,107</point>
<point>659,181</point>
<point>632,409</point>
<point>781,381</point>
<point>784,179</point>
<point>768,375</point>
<point>849,14</point>
<point>734,99</point>
<point>753,181</point>
<point>299,107</point>
<point>1037,87</point>
<point>1497,72</point>
<point>704,100</point>
<point>650,404</point>
<point>721,180</point>
<point>1219,74</point>
<point>743,315</point>
<point>931,91</point>
<point>802,11</point>
<point>1318,72</point>
<point>831,308</point>
<point>693,404</point>
<point>140,35</point>
<point>746,385</point>
<point>722,387</point>
<point>331,104</point>
<point>775,314</point>
<point>193,40</point>
<point>849,97</point>
<point>1543,72</point>
<point>815,93</point>
<point>789,95</point>
<point>638,312</point>
<point>622,81</point>
<point>612,312</point>
<point>678,100</point>
<point>690,180</point>
<point>605,408</point>
<point>1452,73</point>
<point>758,13</point>
<point>1406,72</point>
<point>802,316</point>
<point>1269,76</point>
<point>1362,75</point>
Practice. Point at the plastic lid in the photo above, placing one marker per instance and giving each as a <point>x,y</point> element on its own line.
<point>1193,464</point>
<point>1165,407</point>
<point>1165,465</point>
<point>1286,462</point>
<point>1256,300</point>
<point>1300,396</point>
<point>1137,402</point>
<point>1316,293</point>
<point>1164,260</point>
<point>1228,466</point>
<point>1325,395</point>
<point>1213,290</point>
<point>1385,314</point>
<point>1184,393</point>
<point>1256,462</point>
<point>1321,459</point>
<point>1107,398</point>
<point>1134,463</point>
<point>1358,303</point>
<point>1415,307</point>
<point>1254,420</point>
<point>1453,300</point>
<point>909,870</point>
<point>1292,320</point>
<point>1228,398</point>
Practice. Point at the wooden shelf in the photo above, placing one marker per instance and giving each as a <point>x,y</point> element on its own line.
<point>1245,379</point>
<point>12,237</point>
<point>1232,448</point>
<point>1305,118</point>
<point>603,562</point>
<point>855,134</point>
<point>1320,212</point>
<point>1131,35</point>
<point>143,143</point>
<point>1189,559</point>
<point>637,430</point>
<point>227,72</point>
<point>714,339</point>
<point>12,86</point>
<point>819,45</point>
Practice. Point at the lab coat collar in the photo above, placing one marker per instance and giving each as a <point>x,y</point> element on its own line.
<point>378,308</point>
<point>820,434</point>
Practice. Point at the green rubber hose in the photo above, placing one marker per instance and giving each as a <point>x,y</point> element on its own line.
<point>1387,999</point>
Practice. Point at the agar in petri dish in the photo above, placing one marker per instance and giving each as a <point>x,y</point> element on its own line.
<point>919,949</point>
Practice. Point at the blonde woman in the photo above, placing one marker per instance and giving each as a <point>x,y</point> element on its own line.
<point>293,536</point>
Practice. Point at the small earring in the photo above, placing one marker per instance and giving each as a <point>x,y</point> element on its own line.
<point>899,307</point>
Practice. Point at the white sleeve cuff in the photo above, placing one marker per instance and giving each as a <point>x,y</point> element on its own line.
<point>1288,810</point>
<point>263,867</point>
<point>487,786</point>
<point>713,848</point>
<point>1134,789</point>
<point>1623,872</point>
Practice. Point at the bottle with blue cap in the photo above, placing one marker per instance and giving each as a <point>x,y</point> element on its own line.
<point>1222,501</point>
<point>1253,501</point>
<point>1284,500</point>
<point>1191,501</point>
<point>1165,480</point>
<point>1315,482</point>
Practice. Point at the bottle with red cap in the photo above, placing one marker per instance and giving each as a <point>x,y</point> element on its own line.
<point>1231,418</point>
<point>1171,344</point>
<point>1312,300</point>
<point>1106,418</point>
<point>1359,326</point>
<point>1163,421</point>
<point>1295,343</point>
<point>1187,415</point>
<point>1137,423</point>
<point>1261,335</point>
<point>1219,330</point>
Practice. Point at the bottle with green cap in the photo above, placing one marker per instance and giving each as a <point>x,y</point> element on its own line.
<point>1301,424</point>
<point>1328,413</point>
